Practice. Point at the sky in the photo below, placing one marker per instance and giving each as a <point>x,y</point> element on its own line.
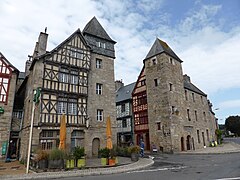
<point>204,34</point>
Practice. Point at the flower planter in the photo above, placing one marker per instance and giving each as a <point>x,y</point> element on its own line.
<point>81,163</point>
<point>56,164</point>
<point>104,161</point>
<point>43,164</point>
<point>112,162</point>
<point>70,163</point>
<point>134,157</point>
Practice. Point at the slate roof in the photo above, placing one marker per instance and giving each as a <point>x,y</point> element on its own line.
<point>125,92</point>
<point>188,85</point>
<point>159,47</point>
<point>94,28</point>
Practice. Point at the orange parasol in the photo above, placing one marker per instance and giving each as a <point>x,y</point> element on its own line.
<point>109,134</point>
<point>63,130</point>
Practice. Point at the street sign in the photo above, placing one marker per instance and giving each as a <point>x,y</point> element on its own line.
<point>4,148</point>
<point>1,110</point>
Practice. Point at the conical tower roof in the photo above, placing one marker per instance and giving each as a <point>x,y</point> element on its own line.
<point>159,47</point>
<point>94,28</point>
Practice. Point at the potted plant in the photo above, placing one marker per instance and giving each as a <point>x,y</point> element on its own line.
<point>79,153</point>
<point>134,151</point>
<point>42,159</point>
<point>70,161</point>
<point>104,155</point>
<point>112,157</point>
<point>56,157</point>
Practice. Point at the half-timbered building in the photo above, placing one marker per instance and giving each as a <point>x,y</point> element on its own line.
<point>75,78</point>
<point>170,113</point>
<point>8,81</point>
<point>125,132</point>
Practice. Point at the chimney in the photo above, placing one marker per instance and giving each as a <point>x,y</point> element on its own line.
<point>28,64</point>
<point>186,78</point>
<point>41,45</point>
<point>118,84</point>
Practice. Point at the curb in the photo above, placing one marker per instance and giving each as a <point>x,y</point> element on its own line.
<point>141,164</point>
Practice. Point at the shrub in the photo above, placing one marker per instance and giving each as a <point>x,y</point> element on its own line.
<point>104,153</point>
<point>78,152</point>
<point>123,151</point>
<point>56,154</point>
<point>133,149</point>
<point>41,155</point>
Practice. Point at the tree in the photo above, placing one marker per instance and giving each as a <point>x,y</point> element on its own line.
<point>232,124</point>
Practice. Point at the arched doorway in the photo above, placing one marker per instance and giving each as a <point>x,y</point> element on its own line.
<point>188,142</point>
<point>182,144</point>
<point>95,147</point>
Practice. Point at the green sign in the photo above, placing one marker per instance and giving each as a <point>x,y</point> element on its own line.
<point>1,110</point>
<point>4,148</point>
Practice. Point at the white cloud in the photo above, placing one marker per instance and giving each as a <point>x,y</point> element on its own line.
<point>230,104</point>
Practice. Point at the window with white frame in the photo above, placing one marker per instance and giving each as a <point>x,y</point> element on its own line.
<point>99,115</point>
<point>76,53</point>
<point>72,107</point>
<point>101,44</point>
<point>98,63</point>
<point>99,88</point>
<point>74,77</point>
<point>63,75</point>
<point>62,105</point>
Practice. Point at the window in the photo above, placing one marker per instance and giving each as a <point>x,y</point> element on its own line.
<point>198,136</point>
<point>72,107</point>
<point>124,123</point>
<point>62,105</point>
<point>98,63</point>
<point>98,88</point>
<point>170,86</point>
<point>186,95</point>
<point>49,139</point>
<point>188,114</point>
<point>63,75</point>
<point>74,77</point>
<point>207,134</point>
<point>159,126</point>
<point>173,109</point>
<point>156,82</point>
<point>76,53</point>
<point>171,61</point>
<point>193,98</point>
<point>101,44</point>
<point>154,61</point>
<point>204,116</point>
<point>143,82</point>
<point>68,107</point>
<point>18,114</point>
<point>195,112</point>
<point>99,115</point>
<point>123,108</point>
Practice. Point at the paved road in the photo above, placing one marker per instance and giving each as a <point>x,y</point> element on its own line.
<point>183,167</point>
<point>234,139</point>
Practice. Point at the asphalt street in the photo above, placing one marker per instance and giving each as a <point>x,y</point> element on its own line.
<point>182,167</point>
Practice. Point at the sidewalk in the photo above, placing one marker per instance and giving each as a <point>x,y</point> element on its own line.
<point>125,165</point>
<point>225,147</point>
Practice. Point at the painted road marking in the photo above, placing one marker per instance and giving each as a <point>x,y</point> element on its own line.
<point>160,169</point>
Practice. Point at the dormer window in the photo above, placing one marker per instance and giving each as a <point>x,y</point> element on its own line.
<point>101,45</point>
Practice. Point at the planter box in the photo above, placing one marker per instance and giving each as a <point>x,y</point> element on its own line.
<point>70,163</point>
<point>134,157</point>
<point>81,163</point>
<point>43,164</point>
<point>104,161</point>
<point>111,162</point>
<point>56,164</point>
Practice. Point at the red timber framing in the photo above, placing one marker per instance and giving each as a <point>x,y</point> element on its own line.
<point>140,110</point>
<point>5,76</point>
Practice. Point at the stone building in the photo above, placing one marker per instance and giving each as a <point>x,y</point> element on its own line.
<point>125,133</point>
<point>8,82</point>
<point>75,78</point>
<point>170,112</point>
